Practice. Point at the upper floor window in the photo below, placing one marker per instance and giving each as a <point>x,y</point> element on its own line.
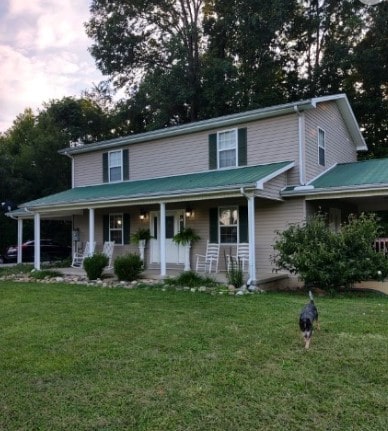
<point>115,166</point>
<point>321,147</point>
<point>227,148</point>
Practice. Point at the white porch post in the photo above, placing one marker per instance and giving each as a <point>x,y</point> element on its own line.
<point>20,241</point>
<point>252,237</point>
<point>37,241</point>
<point>163,239</point>
<point>91,228</point>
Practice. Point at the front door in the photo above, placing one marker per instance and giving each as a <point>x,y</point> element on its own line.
<point>174,223</point>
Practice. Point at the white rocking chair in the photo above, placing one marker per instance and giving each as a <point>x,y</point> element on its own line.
<point>78,258</point>
<point>240,258</point>
<point>108,249</point>
<point>208,262</point>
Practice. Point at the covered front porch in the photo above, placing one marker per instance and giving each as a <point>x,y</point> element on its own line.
<point>220,206</point>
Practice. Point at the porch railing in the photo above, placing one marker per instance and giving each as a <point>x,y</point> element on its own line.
<point>381,245</point>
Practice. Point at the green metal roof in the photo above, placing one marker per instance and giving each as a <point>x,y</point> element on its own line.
<point>368,172</point>
<point>179,185</point>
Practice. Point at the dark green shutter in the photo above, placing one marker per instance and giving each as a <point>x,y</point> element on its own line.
<point>243,224</point>
<point>105,227</point>
<point>242,146</point>
<point>126,228</point>
<point>125,165</point>
<point>105,174</point>
<point>213,151</point>
<point>213,225</point>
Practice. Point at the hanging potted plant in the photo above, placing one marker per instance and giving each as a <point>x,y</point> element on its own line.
<point>186,237</point>
<point>140,238</point>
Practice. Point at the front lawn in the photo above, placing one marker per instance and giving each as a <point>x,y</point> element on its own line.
<point>87,358</point>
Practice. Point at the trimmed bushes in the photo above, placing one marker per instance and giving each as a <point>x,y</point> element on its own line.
<point>94,265</point>
<point>128,267</point>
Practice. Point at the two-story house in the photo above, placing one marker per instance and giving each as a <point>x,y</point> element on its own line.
<point>233,179</point>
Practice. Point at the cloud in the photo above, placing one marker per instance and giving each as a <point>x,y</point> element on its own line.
<point>44,56</point>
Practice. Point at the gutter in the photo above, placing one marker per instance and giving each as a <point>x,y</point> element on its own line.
<point>345,191</point>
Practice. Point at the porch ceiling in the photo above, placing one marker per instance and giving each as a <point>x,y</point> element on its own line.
<point>202,184</point>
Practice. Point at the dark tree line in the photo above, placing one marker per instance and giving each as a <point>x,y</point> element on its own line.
<point>178,61</point>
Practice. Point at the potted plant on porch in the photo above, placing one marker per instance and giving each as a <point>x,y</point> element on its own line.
<point>186,237</point>
<point>140,237</point>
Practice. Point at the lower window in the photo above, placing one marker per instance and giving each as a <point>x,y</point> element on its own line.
<point>116,228</point>
<point>228,225</point>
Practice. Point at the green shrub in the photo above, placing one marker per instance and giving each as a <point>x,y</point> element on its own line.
<point>128,267</point>
<point>191,279</point>
<point>94,265</point>
<point>234,273</point>
<point>40,275</point>
<point>327,259</point>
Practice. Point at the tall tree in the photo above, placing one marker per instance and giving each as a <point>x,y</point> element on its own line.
<point>153,36</point>
<point>371,65</point>
<point>318,46</point>
<point>182,60</point>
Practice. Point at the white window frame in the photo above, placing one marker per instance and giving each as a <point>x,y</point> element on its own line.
<point>321,146</point>
<point>116,229</point>
<point>232,208</point>
<point>219,150</point>
<point>113,166</point>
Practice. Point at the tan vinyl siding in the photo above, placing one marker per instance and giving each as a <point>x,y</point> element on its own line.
<point>88,169</point>
<point>172,156</point>
<point>272,217</point>
<point>339,147</point>
<point>272,188</point>
<point>273,140</point>
<point>269,140</point>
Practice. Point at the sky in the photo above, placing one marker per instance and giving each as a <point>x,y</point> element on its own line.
<point>43,54</point>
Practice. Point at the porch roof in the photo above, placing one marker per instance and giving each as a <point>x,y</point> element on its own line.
<point>366,177</point>
<point>196,184</point>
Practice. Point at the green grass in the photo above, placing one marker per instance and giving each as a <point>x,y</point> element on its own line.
<point>83,358</point>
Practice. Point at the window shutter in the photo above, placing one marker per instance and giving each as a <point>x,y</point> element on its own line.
<point>213,151</point>
<point>126,228</point>
<point>105,227</point>
<point>105,174</point>
<point>243,227</point>
<point>242,146</point>
<point>125,165</point>
<point>213,225</point>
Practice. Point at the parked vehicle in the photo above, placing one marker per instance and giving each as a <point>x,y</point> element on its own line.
<point>49,251</point>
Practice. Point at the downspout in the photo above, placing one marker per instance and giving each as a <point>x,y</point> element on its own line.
<point>301,146</point>
<point>251,236</point>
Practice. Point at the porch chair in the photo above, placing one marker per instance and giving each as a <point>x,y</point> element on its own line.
<point>209,261</point>
<point>78,258</point>
<point>242,256</point>
<point>108,249</point>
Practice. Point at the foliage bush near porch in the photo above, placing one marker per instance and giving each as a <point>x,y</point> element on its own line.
<point>128,267</point>
<point>328,259</point>
<point>84,358</point>
<point>94,265</point>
